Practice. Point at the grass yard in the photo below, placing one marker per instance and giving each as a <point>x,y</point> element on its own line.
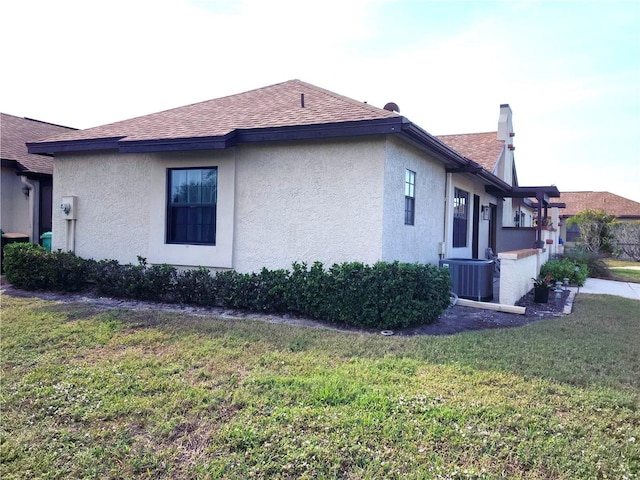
<point>623,274</point>
<point>120,394</point>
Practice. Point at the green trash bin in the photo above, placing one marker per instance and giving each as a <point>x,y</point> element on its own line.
<point>45,240</point>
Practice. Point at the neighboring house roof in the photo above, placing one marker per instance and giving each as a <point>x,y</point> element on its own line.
<point>609,203</point>
<point>483,148</point>
<point>16,131</point>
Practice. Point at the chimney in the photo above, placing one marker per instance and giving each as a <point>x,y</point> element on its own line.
<point>505,126</point>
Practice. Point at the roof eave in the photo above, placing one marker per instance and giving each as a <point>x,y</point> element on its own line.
<point>495,184</point>
<point>297,132</point>
<point>69,146</point>
<point>436,148</point>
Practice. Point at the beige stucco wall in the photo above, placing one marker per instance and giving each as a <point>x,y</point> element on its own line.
<point>277,204</point>
<point>308,201</point>
<point>112,205</point>
<point>330,201</point>
<point>418,242</point>
<point>219,255</point>
<point>121,207</point>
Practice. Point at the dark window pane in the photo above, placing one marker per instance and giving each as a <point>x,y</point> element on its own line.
<point>191,213</point>
<point>460,204</point>
<point>409,211</point>
<point>409,197</point>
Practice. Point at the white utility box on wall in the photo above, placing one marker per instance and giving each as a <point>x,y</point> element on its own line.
<point>69,207</point>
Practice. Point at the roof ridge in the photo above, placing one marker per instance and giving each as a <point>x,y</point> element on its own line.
<point>342,97</point>
<point>37,121</point>
<point>49,123</point>
<point>460,134</point>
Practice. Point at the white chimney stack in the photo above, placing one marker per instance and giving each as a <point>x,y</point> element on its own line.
<point>505,127</point>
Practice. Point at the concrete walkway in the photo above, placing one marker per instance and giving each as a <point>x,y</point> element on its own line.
<point>610,287</point>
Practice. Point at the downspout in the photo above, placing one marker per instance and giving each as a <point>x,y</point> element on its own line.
<point>32,206</point>
<point>447,221</point>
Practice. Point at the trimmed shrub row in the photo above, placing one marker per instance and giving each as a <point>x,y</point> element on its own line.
<point>560,269</point>
<point>383,295</point>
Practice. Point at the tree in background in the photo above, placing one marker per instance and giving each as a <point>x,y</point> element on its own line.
<point>626,238</point>
<point>596,233</point>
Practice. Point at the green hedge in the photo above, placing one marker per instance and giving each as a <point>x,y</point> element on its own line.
<point>563,268</point>
<point>31,267</point>
<point>383,295</point>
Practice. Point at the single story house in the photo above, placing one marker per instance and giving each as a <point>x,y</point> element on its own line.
<point>622,208</point>
<point>26,187</point>
<point>289,172</point>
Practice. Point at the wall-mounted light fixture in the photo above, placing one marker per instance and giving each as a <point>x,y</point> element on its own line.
<point>26,190</point>
<point>486,212</point>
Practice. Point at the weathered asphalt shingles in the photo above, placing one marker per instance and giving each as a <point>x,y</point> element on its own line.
<point>16,131</point>
<point>273,106</point>
<point>482,148</point>
<point>604,201</point>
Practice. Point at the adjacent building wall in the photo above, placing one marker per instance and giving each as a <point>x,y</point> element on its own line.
<point>14,214</point>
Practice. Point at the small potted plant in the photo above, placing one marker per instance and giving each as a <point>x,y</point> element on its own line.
<point>541,287</point>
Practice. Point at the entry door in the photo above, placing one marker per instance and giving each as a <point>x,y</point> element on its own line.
<point>493,228</point>
<point>46,200</point>
<point>476,226</point>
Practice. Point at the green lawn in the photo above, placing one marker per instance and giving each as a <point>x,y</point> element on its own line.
<point>121,394</point>
<point>617,262</point>
<point>623,274</point>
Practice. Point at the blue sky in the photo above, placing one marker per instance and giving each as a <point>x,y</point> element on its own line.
<point>570,70</point>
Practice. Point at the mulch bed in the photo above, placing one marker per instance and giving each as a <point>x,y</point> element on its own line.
<point>455,319</point>
<point>458,319</point>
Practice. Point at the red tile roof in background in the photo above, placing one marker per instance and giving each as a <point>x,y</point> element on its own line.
<point>604,201</point>
<point>16,131</point>
<point>483,148</point>
<point>277,105</point>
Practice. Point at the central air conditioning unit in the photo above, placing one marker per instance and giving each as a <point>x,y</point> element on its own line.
<point>471,278</point>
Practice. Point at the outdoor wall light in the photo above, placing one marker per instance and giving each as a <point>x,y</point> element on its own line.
<point>486,212</point>
<point>25,190</point>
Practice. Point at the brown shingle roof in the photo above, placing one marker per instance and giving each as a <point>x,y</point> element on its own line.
<point>16,131</point>
<point>273,106</point>
<point>482,148</point>
<point>604,201</point>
